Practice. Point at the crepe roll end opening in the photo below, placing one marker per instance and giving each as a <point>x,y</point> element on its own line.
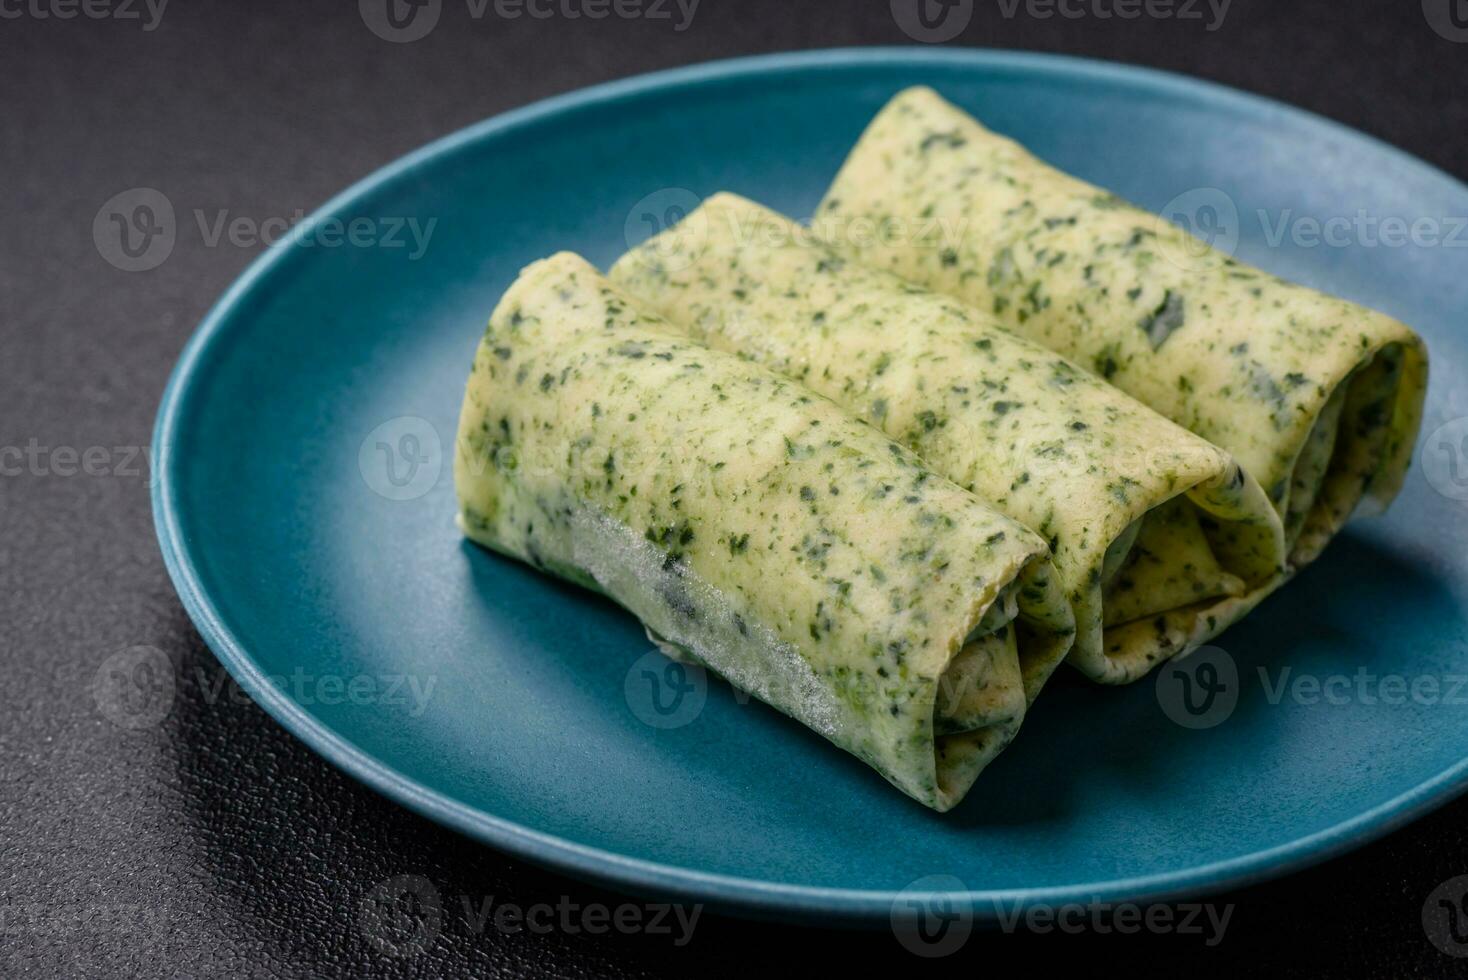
<point>986,689</point>
<point>1355,455</point>
<point>982,685</point>
<point>1166,578</point>
<point>979,707</point>
<point>979,701</point>
<point>978,710</point>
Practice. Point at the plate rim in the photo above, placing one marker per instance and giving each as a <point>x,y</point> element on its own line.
<point>738,894</point>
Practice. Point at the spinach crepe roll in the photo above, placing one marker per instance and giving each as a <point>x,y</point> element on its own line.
<point>757,529</point>
<point>1318,398</point>
<point>1159,538</point>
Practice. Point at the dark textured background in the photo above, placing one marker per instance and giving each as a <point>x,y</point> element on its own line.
<point>213,843</point>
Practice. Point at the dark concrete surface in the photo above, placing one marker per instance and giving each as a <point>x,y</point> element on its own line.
<point>214,844</point>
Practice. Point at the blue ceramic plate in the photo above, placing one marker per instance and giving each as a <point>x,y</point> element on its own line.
<point>306,507</point>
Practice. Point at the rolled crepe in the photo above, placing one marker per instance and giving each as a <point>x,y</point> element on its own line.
<point>757,529</point>
<point>1318,398</point>
<point>1158,537</point>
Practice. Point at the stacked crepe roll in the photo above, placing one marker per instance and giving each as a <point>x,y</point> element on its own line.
<point>1319,399</point>
<point>1159,538</point>
<point>756,528</point>
<point>886,487</point>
